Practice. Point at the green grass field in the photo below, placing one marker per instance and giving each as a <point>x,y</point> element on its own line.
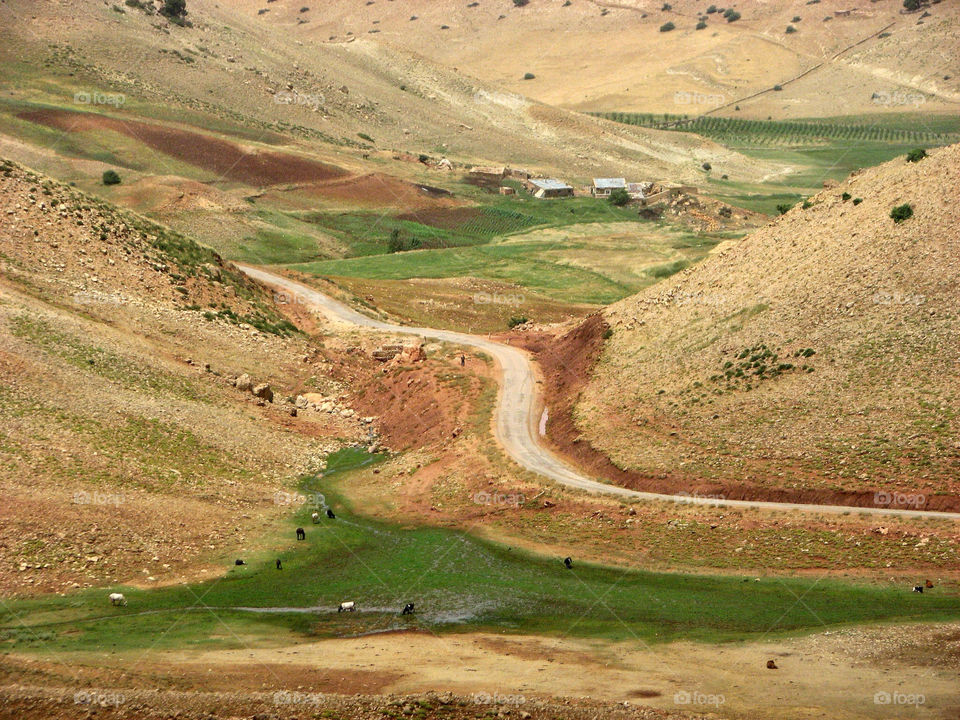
<point>457,582</point>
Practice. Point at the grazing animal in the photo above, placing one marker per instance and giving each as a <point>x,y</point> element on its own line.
<point>407,609</point>
<point>239,562</point>
<point>330,514</point>
<point>928,584</point>
<point>918,588</point>
<point>568,562</point>
<point>279,564</point>
<point>771,665</point>
<point>315,517</point>
<point>117,599</point>
<point>301,534</point>
<point>463,361</point>
<point>347,607</point>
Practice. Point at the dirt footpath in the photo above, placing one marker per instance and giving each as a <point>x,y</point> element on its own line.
<point>853,673</point>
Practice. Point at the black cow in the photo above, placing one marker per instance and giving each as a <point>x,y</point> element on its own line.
<point>301,534</point>
<point>330,514</point>
<point>568,562</point>
<point>239,562</point>
<point>407,609</point>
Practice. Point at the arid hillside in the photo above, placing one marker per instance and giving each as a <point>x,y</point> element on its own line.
<point>129,452</point>
<point>818,356</point>
<point>619,56</point>
<point>358,103</point>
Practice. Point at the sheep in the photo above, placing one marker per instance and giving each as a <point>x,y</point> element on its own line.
<point>301,534</point>
<point>347,607</point>
<point>118,599</point>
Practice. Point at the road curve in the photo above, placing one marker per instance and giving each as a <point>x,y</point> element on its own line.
<point>517,405</point>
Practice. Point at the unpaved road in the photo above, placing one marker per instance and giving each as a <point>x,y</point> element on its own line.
<point>518,405</point>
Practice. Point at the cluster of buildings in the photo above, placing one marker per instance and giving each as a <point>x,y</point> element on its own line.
<point>542,187</point>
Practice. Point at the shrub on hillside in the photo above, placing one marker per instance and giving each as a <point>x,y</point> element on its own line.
<point>514,321</point>
<point>667,27</point>
<point>701,25</point>
<point>707,166</point>
<point>901,213</point>
<point>619,197</point>
<point>711,10</point>
<point>520,3</point>
<point>790,29</point>
<point>110,177</point>
<point>916,155</point>
<point>784,208</point>
<point>176,10</point>
<point>857,201</point>
<point>528,76</point>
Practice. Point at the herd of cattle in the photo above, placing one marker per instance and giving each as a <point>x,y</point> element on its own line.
<point>119,600</point>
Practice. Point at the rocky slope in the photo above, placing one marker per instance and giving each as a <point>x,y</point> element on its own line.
<point>820,354</point>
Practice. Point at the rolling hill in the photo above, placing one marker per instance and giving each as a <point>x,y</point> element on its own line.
<point>816,358</point>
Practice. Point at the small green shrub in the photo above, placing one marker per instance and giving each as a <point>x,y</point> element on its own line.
<point>516,320</point>
<point>110,177</point>
<point>857,201</point>
<point>528,76</point>
<point>667,27</point>
<point>845,196</point>
<point>901,213</point>
<point>619,197</point>
<point>916,155</point>
<point>784,208</point>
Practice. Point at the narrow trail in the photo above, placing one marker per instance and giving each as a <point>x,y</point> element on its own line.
<point>517,415</point>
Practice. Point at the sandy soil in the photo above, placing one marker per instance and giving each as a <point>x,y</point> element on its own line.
<point>731,680</point>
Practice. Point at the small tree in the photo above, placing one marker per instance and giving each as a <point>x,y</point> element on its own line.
<point>619,197</point>
<point>528,76</point>
<point>784,208</point>
<point>901,213</point>
<point>711,10</point>
<point>916,155</point>
<point>791,29</point>
<point>174,9</point>
<point>701,25</point>
<point>110,177</point>
<point>667,27</point>
<point>911,5</point>
<point>395,243</point>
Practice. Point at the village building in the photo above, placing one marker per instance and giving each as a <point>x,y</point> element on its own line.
<point>602,187</point>
<point>549,188</point>
<point>492,174</point>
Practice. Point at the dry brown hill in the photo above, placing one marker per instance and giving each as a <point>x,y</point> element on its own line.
<point>608,55</point>
<point>234,70</point>
<point>818,356</point>
<point>126,452</point>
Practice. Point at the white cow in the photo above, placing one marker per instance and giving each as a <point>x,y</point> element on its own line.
<point>315,517</point>
<point>117,599</point>
<point>347,607</point>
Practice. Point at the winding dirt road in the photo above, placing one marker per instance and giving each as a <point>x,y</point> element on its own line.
<point>518,404</point>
